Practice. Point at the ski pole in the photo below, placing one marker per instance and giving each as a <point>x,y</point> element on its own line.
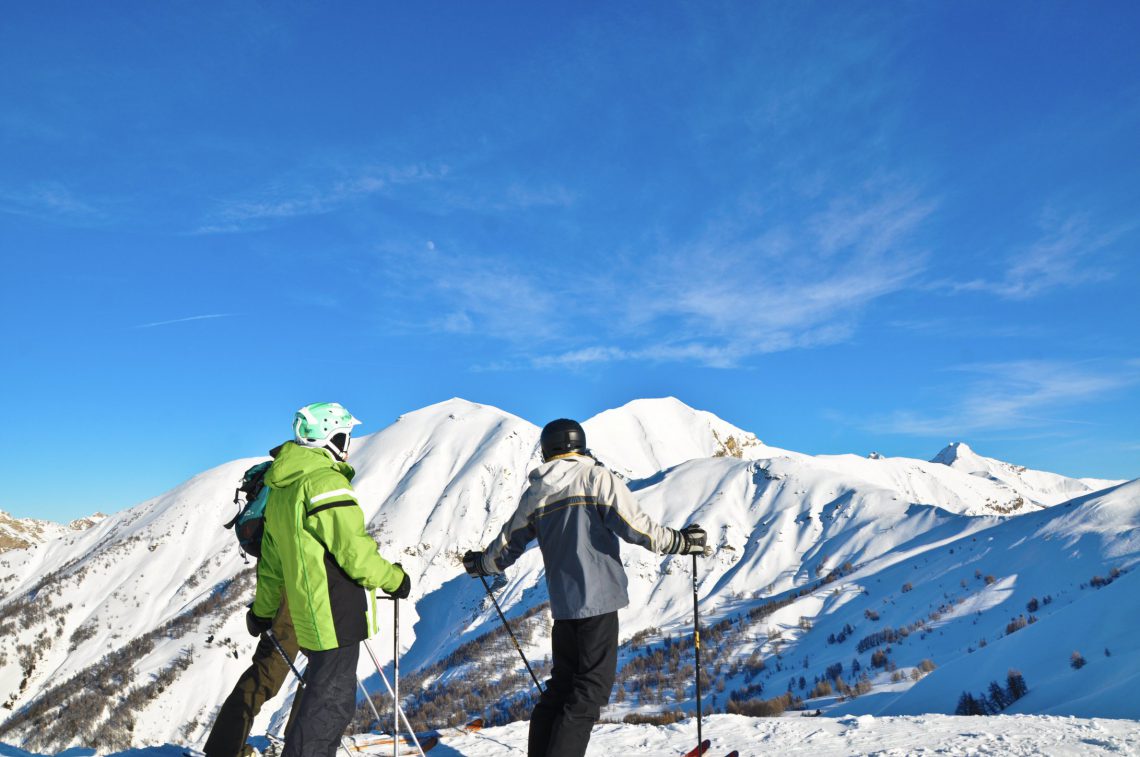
<point>697,649</point>
<point>395,675</point>
<point>367,698</point>
<point>399,709</point>
<point>281,651</point>
<point>507,625</point>
<point>300,681</point>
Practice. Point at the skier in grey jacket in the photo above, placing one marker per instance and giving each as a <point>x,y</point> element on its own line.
<point>578,510</point>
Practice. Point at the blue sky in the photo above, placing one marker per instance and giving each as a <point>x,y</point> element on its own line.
<point>845,227</point>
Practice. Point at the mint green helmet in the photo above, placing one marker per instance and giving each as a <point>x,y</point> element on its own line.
<point>324,425</point>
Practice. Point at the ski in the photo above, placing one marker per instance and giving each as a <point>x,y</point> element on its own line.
<point>365,742</point>
<point>474,726</point>
<point>383,741</point>
<point>697,751</point>
<point>426,744</point>
<point>733,753</point>
<point>384,746</point>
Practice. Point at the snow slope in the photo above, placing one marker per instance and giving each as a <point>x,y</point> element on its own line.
<point>429,484</point>
<point>1048,560</point>
<point>828,737</point>
<point>162,586</point>
<point>1037,487</point>
<point>818,737</point>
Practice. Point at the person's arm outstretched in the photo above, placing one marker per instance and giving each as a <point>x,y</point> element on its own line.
<point>623,515</point>
<point>512,541</point>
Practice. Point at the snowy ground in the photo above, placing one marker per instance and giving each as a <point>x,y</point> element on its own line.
<point>825,737</point>
<point>819,737</point>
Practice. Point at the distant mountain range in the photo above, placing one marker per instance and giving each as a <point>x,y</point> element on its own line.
<point>819,561</point>
<point>20,533</point>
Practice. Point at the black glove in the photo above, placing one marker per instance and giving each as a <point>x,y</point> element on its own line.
<point>473,563</point>
<point>691,540</point>
<point>255,625</point>
<point>404,589</point>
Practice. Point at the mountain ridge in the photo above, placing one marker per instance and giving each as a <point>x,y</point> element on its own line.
<point>21,533</point>
<point>443,479</point>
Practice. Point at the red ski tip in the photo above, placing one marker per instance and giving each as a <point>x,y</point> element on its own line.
<point>697,751</point>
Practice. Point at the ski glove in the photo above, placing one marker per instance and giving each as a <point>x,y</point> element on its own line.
<point>255,625</point>
<point>473,563</point>
<point>404,589</point>
<point>691,540</point>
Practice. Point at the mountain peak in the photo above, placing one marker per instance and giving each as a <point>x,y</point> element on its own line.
<point>656,403</point>
<point>644,436</point>
<point>455,403</point>
<point>453,409</point>
<point>953,452</point>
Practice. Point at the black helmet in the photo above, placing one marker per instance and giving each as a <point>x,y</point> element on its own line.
<point>562,436</point>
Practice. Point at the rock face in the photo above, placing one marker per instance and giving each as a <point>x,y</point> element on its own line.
<point>20,533</point>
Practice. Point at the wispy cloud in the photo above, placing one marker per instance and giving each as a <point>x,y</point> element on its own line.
<point>1070,251</point>
<point>787,236</point>
<point>291,198</point>
<point>967,327</point>
<point>716,300</point>
<point>495,197</point>
<point>183,320</point>
<point>434,187</point>
<point>720,300</point>
<point>51,201</point>
<point>1012,395</point>
<point>467,294</point>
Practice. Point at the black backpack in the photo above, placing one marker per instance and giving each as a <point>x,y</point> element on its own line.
<point>250,497</point>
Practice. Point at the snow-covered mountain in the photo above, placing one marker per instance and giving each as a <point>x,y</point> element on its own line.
<point>1037,488</point>
<point>145,607</point>
<point>647,436</point>
<point>19,533</point>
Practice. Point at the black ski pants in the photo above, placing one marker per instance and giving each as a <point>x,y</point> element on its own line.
<point>328,703</point>
<point>258,684</point>
<point>585,663</point>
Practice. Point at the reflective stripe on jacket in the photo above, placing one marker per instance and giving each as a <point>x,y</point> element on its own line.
<point>577,509</point>
<point>316,550</point>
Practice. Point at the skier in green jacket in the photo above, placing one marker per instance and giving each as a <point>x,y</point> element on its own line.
<point>316,552</point>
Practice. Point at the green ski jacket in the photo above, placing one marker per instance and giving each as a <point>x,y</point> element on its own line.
<point>315,549</point>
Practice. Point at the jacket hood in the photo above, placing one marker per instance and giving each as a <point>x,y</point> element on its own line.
<point>570,457</point>
<point>294,461</point>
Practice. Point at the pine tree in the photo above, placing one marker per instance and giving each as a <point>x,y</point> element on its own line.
<point>968,705</point>
<point>998,699</point>
<point>1016,685</point>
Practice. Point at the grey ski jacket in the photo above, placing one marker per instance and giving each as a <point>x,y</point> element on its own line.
<point>577,509</point>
